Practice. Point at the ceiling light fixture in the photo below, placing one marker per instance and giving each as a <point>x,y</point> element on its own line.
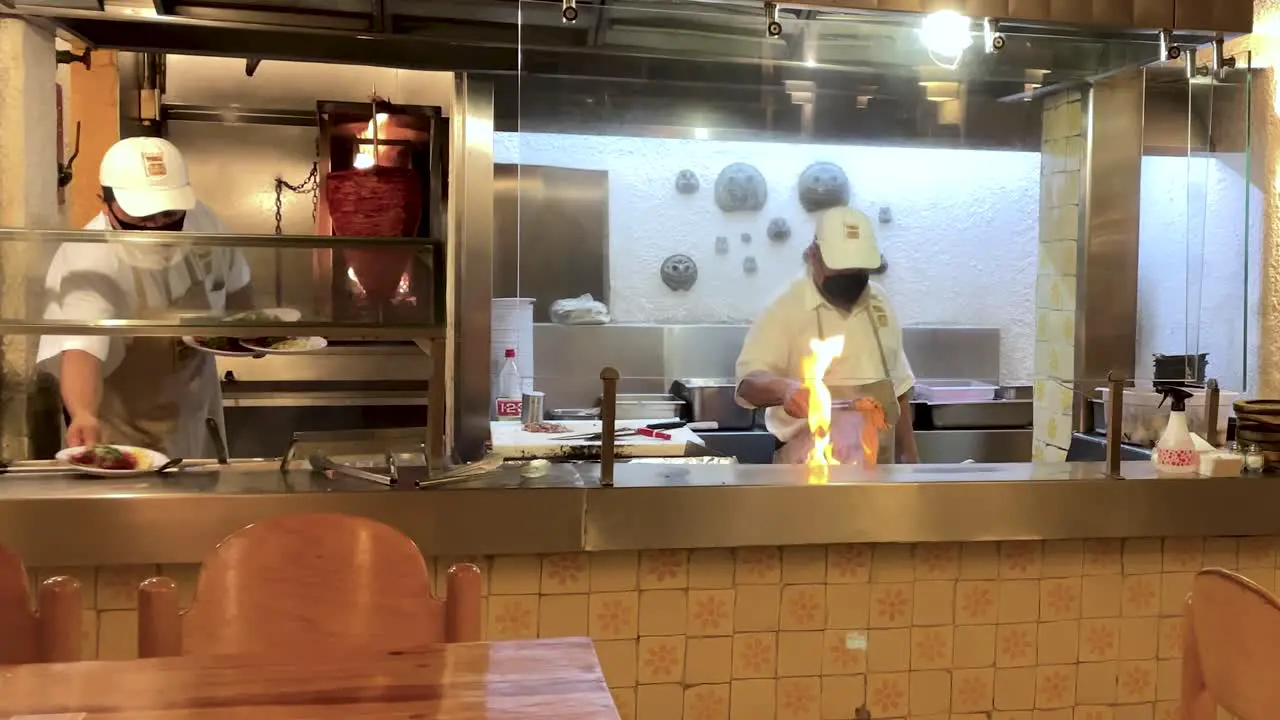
<point>946,34</point>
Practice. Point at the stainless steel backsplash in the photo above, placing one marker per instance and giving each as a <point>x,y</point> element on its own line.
<point>568,359</point>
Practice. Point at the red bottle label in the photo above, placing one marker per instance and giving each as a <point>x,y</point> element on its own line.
<point>510,409</point>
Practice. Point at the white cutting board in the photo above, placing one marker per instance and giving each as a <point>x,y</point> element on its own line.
<point>510,439</point>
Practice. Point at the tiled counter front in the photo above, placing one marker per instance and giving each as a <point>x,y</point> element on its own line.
<point>1063,630</point>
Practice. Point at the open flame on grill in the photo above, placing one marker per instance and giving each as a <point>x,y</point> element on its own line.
<point>822,454</point>
<point>367,155</point>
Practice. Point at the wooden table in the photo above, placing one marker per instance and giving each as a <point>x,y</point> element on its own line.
<point>533,679</point>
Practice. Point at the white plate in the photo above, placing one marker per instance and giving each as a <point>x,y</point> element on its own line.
<point>190,341</point>
<point>148,461</point>
<point>292,346</point>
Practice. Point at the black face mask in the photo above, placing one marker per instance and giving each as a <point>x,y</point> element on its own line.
<point>175,226</point>
<point>845,289</point>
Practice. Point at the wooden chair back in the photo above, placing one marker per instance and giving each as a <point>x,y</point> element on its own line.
<point>1231,647</point>
<point>304,583</point>
<point>51,632</point>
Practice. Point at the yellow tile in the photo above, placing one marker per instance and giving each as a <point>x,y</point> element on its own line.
<point>661,660</point>
<point>1060,599</point>
<point>118,585</point>
<point>977,602</point>
<point>1168,679</point>
<point>1140,595</point>
<point>1063,559</point>
<point>515,575</point>
<point>664,569</point>
<point>1016,645</point>
<point>972,690</point>
<point>755,655</point>
<point>1019,601</point>
<point>931,647</point>
<point>562,616</point>
<point>1143,555</point>
<point>1058,642</point>
<point>513,617</point>
<point>1257,552</point>
<point>659,702</point>
<point>1059,714</point>
<point>979,561</point>
<point>752,700</point>
<point>1168,710</point>
<point>889,650</point>
<point>617,661</point>
<point>708,660</point>
<point>1221,552</point>
<point>663,612</point>
<point>1102,557</point>
<point>88,635</point>
<point>614,615</point>
<point>804,564</point>
<point>1021,559</point>
<point>892,563</point>
<point>930,692</point>
<point>707,701</point>
<point>891,604</point>
<point>799,653</point>
<point>186,576</point>
<point>614,571</point>
<point>1174,588</point>
<point>1099,639</point>
<point>711,612</point>
<point>711,569</point>
<point>844,652</point>
<point>1100,596</point>
<point>624,699</point>
<point>566,573</point>
<point>1096,683</point>
<point>1183,554</point>
<point>937,561</point>
<point>888,694</point>
<point>799,698</point>
<point>1015,688</point>
<point>1055,686</point>
<point>758,566</point>
<point>1262,576</point>
<point>1139,638</point>
<point>934,602</point>
<point>842,695</point>
<point>848,563</point>
<point>848,606</point>
<point>757,608</point>
<point>88,577</point>
<point>974,646</point>
<point>1136,681</point>
<point>118,635</point>
<point>1144,711</point>
<point>804,607</point>
<point>1170,643</point>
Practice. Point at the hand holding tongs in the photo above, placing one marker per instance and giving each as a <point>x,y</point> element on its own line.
<point>654,431</point>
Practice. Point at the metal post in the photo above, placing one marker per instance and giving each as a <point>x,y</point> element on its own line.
<point>609,422</point>
<point>1115,420</point>
<point>1212,397</point>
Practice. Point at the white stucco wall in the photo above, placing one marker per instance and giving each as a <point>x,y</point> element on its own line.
<point>961,245</point>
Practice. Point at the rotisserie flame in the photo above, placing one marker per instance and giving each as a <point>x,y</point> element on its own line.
<point>822,455</point>
<point>367,155</point>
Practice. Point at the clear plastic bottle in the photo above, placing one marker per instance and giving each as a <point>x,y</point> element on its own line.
<point>507,405</point>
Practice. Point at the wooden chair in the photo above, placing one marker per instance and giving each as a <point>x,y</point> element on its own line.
<point>305,583</point>
<point>1231,655</point>
<point>52,632</point>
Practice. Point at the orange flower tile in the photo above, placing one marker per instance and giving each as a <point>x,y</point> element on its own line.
<point>710,612</point>
<point>1093,713</point>
<point>972,691</point>
<point>891,604</point>
<point>1021,559</point>
<point>566,573</point>
<point>614,616</point>
<point>661,659</point>
<point>848,563</point>
<point>840,659</point>
<point>755,655</point>
<point>1055,686</point>
<point>624,699</point>
<point>887,695</point>
<point>1016,645</point>
<point>1141,595</point>
<point>513,617</point>
<point>1102,557</point>
<point>977,602</point>
<point>706,702</point>
<point>1099,640</point>
<point>1171,634</point>
<point>931,648</point>
<point>1136,681</point>
<point>804,607</point>
<point>937,561</point>
<point>664,569</point>
<point>799,698</point>
<point>1171,710</point>
<point>1183,554</point>
<point>1060,599</point>
<point>758,566</point>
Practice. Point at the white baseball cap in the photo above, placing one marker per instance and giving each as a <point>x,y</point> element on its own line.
<point>147,175</point>
<point>847,240</point>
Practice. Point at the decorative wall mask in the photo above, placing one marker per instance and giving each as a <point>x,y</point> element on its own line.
<point>746,238</point>
<point>722,245</point>
<point>779,230</point>
<point>741,188</point>
<point>886,215</point>
<point>687,182</point>
<point>749,265</point>
<point>679,272</point>
<point>823,185</point>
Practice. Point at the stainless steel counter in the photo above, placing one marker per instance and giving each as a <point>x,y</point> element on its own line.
<point>63,520</point>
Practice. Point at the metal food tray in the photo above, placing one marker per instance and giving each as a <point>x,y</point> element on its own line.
<point>993,414</point>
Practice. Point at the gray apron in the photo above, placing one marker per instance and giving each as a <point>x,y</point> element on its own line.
<point>163,390</point>
<point>796,451</point>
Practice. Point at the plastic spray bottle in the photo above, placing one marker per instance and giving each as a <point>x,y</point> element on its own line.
<point>1176,451</point>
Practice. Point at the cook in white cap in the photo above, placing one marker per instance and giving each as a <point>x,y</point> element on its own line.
<point>152,392</point>
<point>834,297</point>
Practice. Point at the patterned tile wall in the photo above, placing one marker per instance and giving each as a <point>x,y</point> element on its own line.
<point>1060,630</point>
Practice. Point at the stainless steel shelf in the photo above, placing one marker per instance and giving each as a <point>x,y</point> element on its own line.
<point>183,239</point>
<point>123,328</point>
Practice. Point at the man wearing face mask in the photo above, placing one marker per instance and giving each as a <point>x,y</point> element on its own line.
<point>152,392</point>
<point>834,297</point>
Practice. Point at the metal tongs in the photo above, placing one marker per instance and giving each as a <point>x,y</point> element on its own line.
<point>654,430</point>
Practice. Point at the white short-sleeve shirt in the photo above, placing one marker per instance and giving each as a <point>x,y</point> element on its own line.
<point>779,341</point>
<point>110,279</point>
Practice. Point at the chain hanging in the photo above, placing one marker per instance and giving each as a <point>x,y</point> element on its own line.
<point>310,185</point>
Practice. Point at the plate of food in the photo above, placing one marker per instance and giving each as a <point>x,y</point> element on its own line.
<point>236,347</point>
<point>111,460</point>
<point>225,346</point>
<point>280,345</point>
<point>267,315</point>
